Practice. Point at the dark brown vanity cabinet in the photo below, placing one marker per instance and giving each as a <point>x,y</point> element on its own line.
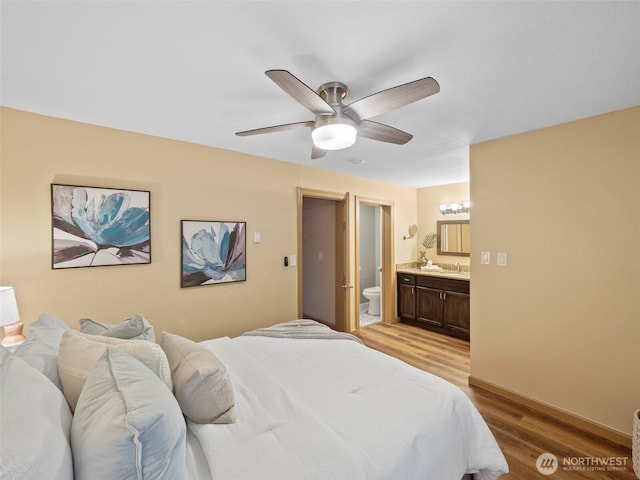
<point>406,296</point>
<point>437,303</point>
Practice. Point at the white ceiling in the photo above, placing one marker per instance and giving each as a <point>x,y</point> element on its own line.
<point>194,71</point>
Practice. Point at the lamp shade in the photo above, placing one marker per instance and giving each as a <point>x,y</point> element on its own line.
<point>8,306</point>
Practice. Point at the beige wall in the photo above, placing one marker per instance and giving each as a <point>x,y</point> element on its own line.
<point>429,199</point>
<point>561,323</point>
<point>186,181</point>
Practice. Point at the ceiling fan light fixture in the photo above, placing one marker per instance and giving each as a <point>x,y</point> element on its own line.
<point>334,133</point>
<point>337,125</point>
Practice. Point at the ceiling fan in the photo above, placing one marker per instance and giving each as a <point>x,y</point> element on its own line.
<point>336,125</point>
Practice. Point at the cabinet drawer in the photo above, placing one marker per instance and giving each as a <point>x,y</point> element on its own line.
<point>450,284</point>
<point>406,279</point>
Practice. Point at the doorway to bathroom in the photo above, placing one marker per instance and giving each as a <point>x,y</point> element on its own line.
<point>370,265</point>
<point>374,261</point>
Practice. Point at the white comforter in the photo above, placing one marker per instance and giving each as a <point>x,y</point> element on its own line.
<point>335,409</point>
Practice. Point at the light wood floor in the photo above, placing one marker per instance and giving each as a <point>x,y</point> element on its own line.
<point>522,433</point>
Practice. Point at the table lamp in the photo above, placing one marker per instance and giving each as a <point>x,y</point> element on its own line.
<point>10,318</point>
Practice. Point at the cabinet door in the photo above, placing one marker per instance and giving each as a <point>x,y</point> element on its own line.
<point>430,306</point>
<point>407,301</point>
<point>456,312</point>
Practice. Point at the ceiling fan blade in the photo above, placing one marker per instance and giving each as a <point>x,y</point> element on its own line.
<point>300,92</point>
<point>317,153</point>
<point>276,128</point>
<point>382,133</point>
<point>392,98</point>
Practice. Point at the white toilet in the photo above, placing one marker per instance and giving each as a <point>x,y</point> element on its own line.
<point>373,295</point>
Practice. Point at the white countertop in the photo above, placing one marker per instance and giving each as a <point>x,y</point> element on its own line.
<point>433,273</point>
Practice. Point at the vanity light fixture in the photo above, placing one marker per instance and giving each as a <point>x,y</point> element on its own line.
<point>455,208</point>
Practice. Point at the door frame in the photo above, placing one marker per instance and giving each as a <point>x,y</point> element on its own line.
<point>388,260</point>
<point>344,321</point>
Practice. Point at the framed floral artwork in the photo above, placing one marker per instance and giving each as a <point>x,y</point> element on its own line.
<point>213,252</point>
<point>93,227</point>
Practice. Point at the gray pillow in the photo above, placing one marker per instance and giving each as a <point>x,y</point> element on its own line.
<point>200,381</point>
<point>127,424</point>
<point>132,328</point>
<point>42,348</point>
<point>35,424</point>
<point>80,352</point>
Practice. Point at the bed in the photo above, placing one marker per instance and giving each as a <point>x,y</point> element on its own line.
<point>308,403</point>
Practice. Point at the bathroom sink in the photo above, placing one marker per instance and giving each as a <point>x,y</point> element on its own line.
<point>445,273</point>
<point>456,274</point>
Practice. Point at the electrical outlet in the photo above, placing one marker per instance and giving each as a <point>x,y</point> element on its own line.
<point>501,259</point>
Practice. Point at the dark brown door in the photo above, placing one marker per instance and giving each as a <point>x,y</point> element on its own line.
<point>430,309</point>
<point>457,312</point>
<point>407,301</point>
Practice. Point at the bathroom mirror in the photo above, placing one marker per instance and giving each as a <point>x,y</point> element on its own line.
<point>454,238</point>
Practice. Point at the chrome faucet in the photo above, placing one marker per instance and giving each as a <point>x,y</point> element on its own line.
<point>458,267</point>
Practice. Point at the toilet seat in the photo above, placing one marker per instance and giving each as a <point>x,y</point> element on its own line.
<point>372,290</point>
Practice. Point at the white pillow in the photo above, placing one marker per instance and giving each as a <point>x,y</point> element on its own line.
<point>200,381</point>
<point>35,423</point>
<point>79,353</point>
<point>127,424</point>
<point>41,348</point>
<point>132,328</point>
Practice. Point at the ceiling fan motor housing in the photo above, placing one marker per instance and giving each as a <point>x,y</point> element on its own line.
<point>333,93</point>
<point>334,132</point>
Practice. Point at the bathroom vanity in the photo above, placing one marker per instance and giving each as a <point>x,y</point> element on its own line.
<point>436,301</point>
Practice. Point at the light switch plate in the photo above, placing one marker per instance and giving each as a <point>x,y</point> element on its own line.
<point>257,237</point>
<point>501,259</point>
<point>485,258</point>
<point>292,260</point>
